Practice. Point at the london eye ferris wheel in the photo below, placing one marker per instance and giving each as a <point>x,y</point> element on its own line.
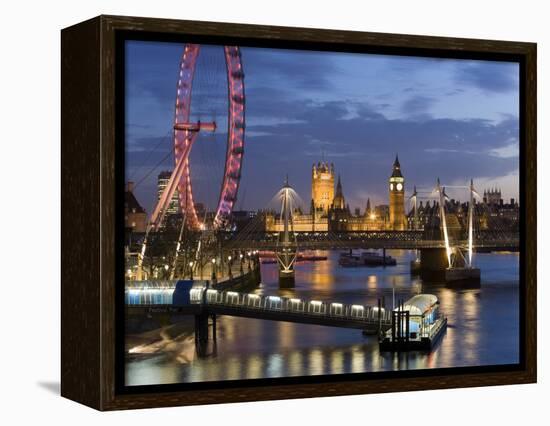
<point>203,92</point>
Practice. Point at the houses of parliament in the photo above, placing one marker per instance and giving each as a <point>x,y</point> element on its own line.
<point>330,212</point>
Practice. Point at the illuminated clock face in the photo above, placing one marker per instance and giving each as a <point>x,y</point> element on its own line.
<point>399,187</point>
<point>391,186</point>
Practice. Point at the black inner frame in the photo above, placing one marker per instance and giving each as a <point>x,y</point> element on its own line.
<point>121,36</point>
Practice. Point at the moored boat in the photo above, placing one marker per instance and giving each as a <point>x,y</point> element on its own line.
<point>349,259</point>
<point>366,258</point>
<point>372,258</point>
<point>269,258</point>
<point>416,325</point>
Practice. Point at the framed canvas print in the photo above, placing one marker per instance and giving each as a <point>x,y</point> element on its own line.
<point>254,212</point>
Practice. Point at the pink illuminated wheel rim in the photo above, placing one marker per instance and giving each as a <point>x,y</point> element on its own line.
<point>184,138</point>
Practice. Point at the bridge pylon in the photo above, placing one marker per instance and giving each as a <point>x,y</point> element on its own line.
<point>287,246</point>
<point>453,262</point>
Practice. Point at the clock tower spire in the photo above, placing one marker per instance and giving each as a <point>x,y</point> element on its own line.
<point>397,197</point>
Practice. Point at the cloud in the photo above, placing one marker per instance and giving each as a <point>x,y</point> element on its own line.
<point>491,77</point>
<point>290,68</point>
<point>448,151</point>
<point>507,151</point>
<point>456,91</point>
<point>417,105</point>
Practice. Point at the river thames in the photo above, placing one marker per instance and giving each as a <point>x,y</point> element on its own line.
<point>483,327</point>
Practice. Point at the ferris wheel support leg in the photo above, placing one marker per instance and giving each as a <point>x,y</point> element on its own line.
<point>162,205</point>
<point>168,193</point>
<point>178,247</point>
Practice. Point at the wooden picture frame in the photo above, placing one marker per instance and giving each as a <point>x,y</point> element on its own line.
<point>91,201</point>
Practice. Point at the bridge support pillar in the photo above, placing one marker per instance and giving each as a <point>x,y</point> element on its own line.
<point>416,267</point>
<point>201,327</point>
<point>433,263</point>
<point>434,266</point>
<point>214,334</point>
<point>201,334</point>
<point>433,259</point>
<point>286,278</point>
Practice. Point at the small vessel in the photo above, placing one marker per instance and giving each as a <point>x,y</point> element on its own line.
<point>310,257</point>
<point>269,258</point>
<point>372,258</point>
<point>366,258</point>
<point>349,259</point>
<point>417,324</point>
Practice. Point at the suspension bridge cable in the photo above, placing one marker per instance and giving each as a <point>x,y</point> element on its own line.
<point>162,139</point>
<point>153,169</point>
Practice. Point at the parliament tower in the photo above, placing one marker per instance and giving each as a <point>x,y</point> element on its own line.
<point>322,187</point>
<point>397,198</point>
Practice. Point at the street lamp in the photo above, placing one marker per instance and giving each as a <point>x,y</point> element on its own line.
<point>229,266</point>
<point>214,269</point>
<point>191,269</point>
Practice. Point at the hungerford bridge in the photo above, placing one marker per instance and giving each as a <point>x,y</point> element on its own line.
<point>403,240</point>
<point>445,250</point>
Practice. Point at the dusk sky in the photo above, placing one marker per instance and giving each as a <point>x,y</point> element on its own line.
<point>452,119</point>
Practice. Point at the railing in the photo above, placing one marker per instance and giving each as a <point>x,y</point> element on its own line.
<point>439,323</point>
<point>316,308</point>
<point>150,292</point>
<point>149,296</point>
<point>410,238</point>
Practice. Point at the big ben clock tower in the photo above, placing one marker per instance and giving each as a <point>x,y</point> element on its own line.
<point>397,198</point>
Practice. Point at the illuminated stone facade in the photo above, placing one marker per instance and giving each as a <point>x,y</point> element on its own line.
<point>492,196</point>
<point>329,211</point>
<point>301,223</point>
<point>322,187</point>
<point>341,219</point>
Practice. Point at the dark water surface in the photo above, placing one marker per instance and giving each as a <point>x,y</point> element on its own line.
<point>483,328</point>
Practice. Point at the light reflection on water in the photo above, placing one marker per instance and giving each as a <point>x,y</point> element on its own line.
<point>483,328</point>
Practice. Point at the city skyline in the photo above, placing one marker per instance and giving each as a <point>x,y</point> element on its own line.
<point>453,119</point>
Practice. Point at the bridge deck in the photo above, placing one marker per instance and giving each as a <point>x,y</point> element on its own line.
<point>291,309</point>
<point>375,240</point>
<point>274,308</point>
